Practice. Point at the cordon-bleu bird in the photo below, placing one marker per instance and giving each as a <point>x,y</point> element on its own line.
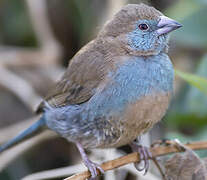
<point>115,88</point>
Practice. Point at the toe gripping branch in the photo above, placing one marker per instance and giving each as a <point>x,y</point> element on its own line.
<point>145,156</point>
<point>92,167</point>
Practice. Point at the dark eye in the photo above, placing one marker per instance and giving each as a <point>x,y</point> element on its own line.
<point>143,27</point>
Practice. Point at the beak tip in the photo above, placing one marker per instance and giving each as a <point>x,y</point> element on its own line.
<point>167,25</point>
<point>178,25</point>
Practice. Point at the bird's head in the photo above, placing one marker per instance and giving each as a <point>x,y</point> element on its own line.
<point>140,29</point>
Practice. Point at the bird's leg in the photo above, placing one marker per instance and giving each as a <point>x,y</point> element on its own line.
<point>145,155</point>
<point>92,167</point>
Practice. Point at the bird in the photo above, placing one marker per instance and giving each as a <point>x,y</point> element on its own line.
<point>115,88</point>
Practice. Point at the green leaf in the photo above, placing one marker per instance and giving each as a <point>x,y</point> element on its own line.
<point>194,80</point>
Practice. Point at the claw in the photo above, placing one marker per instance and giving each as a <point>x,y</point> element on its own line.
<point>145,155</point>
<point>92,167</point>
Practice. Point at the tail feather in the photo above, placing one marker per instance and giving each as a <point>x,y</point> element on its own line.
<point>29,132</point>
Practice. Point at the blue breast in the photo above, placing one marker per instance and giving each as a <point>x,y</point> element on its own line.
<point>96,122</point>
<point>135,78</point>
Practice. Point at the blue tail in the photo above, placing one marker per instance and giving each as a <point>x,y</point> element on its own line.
<point>29,132</point>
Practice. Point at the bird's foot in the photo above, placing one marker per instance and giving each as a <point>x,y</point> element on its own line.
<point>92,167</point>
<point>144,154</point>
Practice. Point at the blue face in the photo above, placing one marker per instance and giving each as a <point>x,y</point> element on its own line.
<point>144,37</point>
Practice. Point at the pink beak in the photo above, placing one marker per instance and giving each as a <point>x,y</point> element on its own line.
<point>166,25</point>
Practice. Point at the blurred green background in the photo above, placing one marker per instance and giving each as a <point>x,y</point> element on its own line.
<point>73,23</point>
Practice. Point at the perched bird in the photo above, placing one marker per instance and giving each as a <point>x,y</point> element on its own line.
<point>115,88</point>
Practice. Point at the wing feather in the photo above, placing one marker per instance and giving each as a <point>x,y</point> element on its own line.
<point>85,72</point>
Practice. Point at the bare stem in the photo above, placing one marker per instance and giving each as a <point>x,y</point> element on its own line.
<point>134,157</point>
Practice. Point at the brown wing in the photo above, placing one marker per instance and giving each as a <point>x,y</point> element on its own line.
<point>78,84</point>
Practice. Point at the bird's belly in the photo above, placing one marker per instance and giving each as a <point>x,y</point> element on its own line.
<point>114,130</point>
<point>140,116</point>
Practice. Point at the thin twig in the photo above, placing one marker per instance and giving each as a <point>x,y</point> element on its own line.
<point>98,153</point>
<point>19,87</point>
<point>139,175</point>
<point>55,173</point>
<point>159,168</point>
<point>134,157</point>
<point>40,20</point>
<point>49,51</point>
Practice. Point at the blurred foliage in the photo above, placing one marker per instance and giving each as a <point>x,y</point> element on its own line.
<point>197,81</point>
<point>197,101</point>
<point>193,14</point>
<point>191,112</point>
<point>16,28</point>
<point>192,34</point>
<point>183,9</point>
<point>187,117</point>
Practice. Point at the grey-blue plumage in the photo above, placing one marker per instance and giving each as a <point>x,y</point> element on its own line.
<point>98,122</point>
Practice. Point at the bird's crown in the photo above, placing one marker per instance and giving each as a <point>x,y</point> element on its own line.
<point>124,20</point>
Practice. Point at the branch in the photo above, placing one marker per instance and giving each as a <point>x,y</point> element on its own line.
<point>95,154</point>
<point>40,21</point>
<point>134,157</point>
<point>19,87</point>
<point>49,51</point>
<point>55,173</point>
